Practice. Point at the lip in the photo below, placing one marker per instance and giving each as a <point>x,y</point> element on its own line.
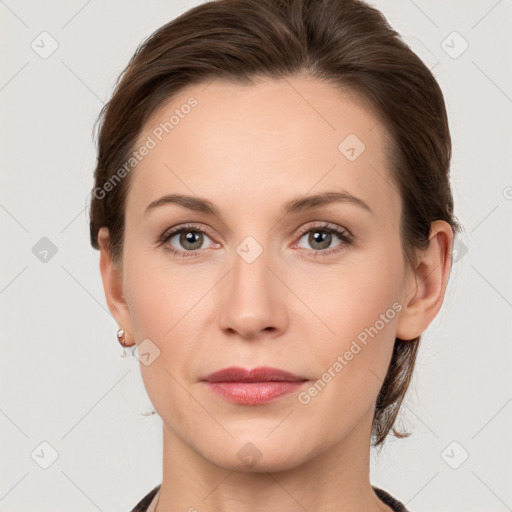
<point>259,374</point>
<point>253,387</point>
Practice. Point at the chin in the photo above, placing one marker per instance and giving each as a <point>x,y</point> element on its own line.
<point>264,465</point>
<point>244,456</point>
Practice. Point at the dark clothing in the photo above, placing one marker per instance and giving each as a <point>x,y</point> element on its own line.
<point>384,496</point>
<point>396,505</point>
<point>144,502</point>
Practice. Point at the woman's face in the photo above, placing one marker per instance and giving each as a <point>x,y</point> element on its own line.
<point>260,283</point>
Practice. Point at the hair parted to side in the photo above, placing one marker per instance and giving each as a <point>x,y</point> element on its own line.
<point>347,43</point>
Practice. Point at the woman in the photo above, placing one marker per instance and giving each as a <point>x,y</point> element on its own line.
<point>302,150</point>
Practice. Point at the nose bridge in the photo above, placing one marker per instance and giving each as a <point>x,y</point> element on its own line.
<point>251,302</point>
<point>250,274</point>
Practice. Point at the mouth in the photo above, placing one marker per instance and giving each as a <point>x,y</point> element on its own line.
<point>253,387</point>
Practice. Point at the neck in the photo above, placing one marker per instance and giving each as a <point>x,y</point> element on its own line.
<point>334,480</point>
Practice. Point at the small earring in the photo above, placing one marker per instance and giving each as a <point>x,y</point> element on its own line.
<point>121,337</point>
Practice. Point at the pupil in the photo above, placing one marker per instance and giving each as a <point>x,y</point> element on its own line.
<point>191,238</point>
<point>320,237</point>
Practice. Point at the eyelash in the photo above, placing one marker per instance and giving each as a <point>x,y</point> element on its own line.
<point>346,238</point>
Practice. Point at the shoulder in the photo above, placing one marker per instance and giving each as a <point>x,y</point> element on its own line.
<point>144,502</point>
<point>384,496</point>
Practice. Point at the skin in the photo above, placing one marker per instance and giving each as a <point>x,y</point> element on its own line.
<point>249,150</point>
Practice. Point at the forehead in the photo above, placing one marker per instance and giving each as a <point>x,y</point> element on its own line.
<point>272,138</point>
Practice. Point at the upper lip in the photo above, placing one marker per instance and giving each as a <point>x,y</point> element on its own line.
<point>259,374</point>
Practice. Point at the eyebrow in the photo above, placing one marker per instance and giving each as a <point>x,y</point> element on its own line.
<point>294,206</point>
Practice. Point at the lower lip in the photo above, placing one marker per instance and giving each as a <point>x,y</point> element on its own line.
<point>253,393</point>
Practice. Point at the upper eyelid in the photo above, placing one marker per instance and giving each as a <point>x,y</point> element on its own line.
<point>324,225</point>
<point>177,229</point>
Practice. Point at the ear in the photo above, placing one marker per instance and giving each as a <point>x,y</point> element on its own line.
<point>426,285</point>
<point>113,285</point>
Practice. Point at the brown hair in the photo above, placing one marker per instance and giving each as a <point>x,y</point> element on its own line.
<point>345,42</point>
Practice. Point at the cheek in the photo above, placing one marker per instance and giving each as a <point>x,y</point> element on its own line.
<point>361,309</point>
<point>161,301</point>
<point>352,367</point>
<point>349,299</point>
<point>158,295</point>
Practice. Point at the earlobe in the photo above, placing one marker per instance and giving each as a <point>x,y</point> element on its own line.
<point>424,291</point>
<point>113,284</point>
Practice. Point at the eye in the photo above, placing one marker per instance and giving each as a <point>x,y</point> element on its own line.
<point>189,238</point>
<point>321,237</point>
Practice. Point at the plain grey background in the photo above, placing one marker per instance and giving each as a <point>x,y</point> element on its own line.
<point>73,427</point>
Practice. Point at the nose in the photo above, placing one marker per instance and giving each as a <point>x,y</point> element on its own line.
<point>253,301</point>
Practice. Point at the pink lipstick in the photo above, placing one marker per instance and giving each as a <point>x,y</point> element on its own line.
<point>253,387</point>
